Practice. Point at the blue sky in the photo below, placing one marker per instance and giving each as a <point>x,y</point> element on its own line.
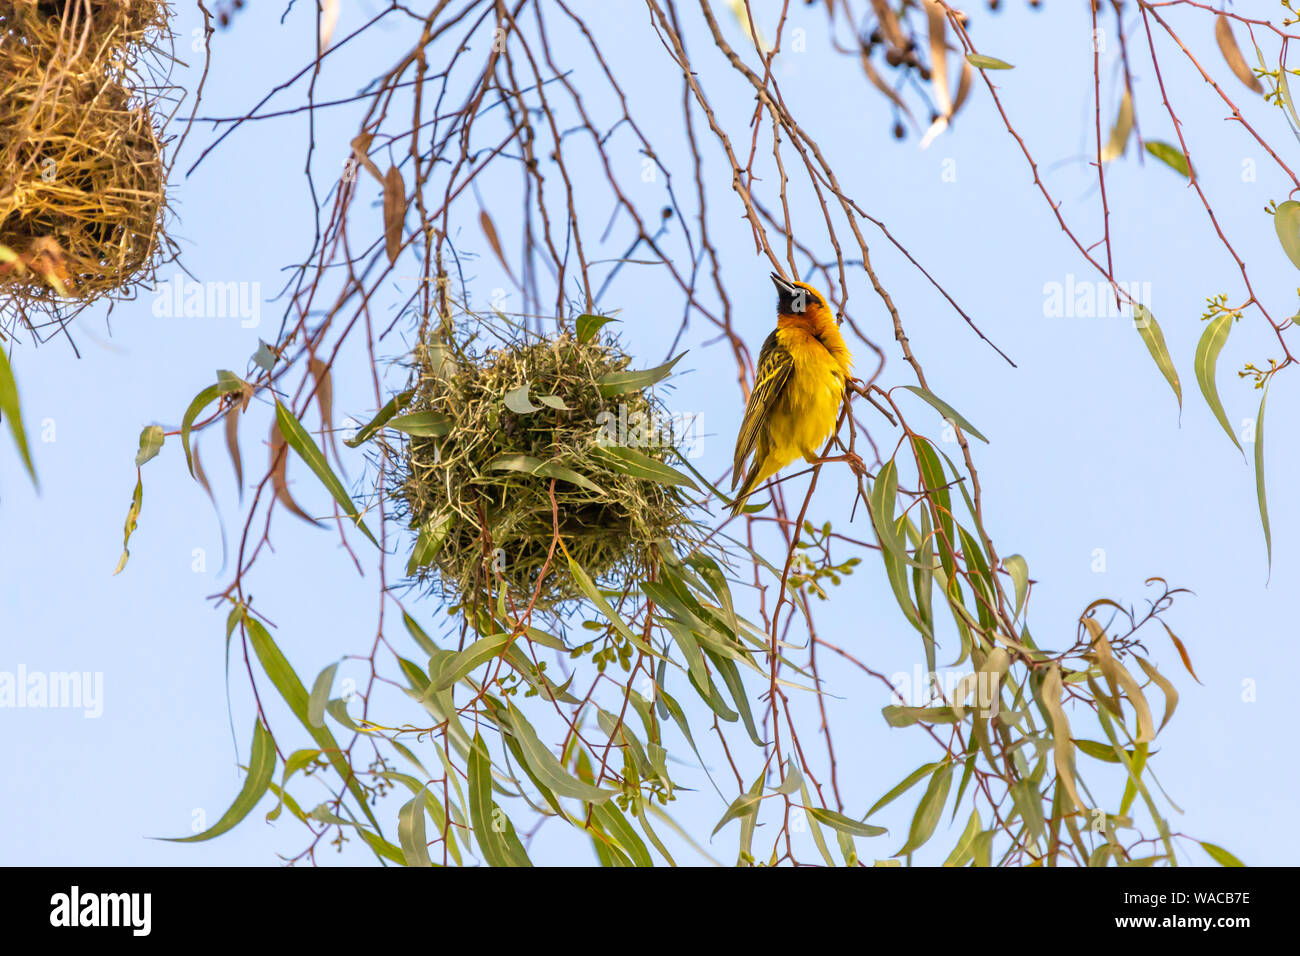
<point>1088,450</point>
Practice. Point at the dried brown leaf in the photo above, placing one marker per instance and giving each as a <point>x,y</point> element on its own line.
<point>279,481</point>
<point>324,391</point>
<point>201,476</point>
<point>232,445</point>
<point>963,85</point>
<point>361,150</point>
<point>939,58</point>
<point>394,212</point>
<point>1232,54</point>
<point>889,25</point>
<point>1182,652</point>
<point>490,232</point>
<point>325,401</point>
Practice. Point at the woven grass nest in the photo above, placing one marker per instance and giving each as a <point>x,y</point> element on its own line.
<point>81,159</point>
<point>496,430</point>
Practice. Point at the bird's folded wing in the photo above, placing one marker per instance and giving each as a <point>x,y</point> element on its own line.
<point>774,366</point>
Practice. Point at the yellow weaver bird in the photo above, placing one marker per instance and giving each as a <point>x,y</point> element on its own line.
<point>802,369</point>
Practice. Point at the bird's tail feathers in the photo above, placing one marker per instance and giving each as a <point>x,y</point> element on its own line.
<point>757,474</point>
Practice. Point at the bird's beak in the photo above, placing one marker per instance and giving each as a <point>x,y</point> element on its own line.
<point>790,299</point>
<point>783,286</point>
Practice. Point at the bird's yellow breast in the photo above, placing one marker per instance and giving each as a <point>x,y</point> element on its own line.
<point>806,411</point>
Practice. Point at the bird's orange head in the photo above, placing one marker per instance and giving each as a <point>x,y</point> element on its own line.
<point>799,305</point>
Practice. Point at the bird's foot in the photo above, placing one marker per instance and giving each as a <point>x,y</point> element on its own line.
<point>851,459</point>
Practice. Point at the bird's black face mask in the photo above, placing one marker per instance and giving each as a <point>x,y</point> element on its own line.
<point>791,300</point>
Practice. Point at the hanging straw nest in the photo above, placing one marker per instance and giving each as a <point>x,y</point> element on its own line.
<point>81,169</point>
<point>499,431</point>
<point>120,23</point>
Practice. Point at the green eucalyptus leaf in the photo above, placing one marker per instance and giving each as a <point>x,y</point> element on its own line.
<point>547,469</point>
<point>548,767</point>
<point>631,462</point>
<point>410,832</point>
<point>10,410</point>
<point>1018,568</point>
<point>320,695</point>
<point>492,828</point>
<point>928,810</point>
<point>907,783</point>
<point>517,401</point>
<point>462,663</point>
<point>264,357</point>
<point>839,821</point>
<point>385,415</point>
<point>1207,358</point>
<point>1259,477</point>
<point>151,442</point>
<point>295,695</point>
<point>1220,855</point>
<point>588,325</point>
<point>1286,220</point>
<point>1149,329</point>
<point>1170,155</point>
<point>982,62</point>
<point>946,410</point>
<point>618,383</point>
<point>426,424</point>
<point>261,766</point>
<point>744,806</point>
<point>300,440</point>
